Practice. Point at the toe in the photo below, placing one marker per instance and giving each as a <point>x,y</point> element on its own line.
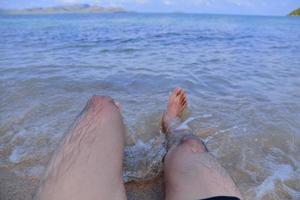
<point>183,102</point>
<point>182,96</point>
<point>184,106</point>
<point>179,92</point>
<point>174,93</point>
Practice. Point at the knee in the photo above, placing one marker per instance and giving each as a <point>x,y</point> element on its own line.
<point>96,100</point>
<point>184,151</point>
<point>193,145</point>
<point>101,102</point>
<point>185,148</point>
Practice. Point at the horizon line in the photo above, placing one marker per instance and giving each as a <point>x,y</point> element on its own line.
<point>145,12</point>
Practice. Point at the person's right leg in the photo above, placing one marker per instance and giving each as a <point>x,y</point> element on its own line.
<point>191,173</point>
<point>88,163</point>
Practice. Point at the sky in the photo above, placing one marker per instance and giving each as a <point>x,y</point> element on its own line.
<point>247,7</point>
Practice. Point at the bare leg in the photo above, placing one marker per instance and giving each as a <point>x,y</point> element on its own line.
<point>190,171</point>
<point>88,164</point>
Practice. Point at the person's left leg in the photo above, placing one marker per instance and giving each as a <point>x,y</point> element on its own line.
<point>190,171</point>
<point>88,164</point>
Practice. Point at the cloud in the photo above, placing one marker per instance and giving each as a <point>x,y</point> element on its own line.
<point>209,3</point>
<point>200,3</point>
<point>167,2</point>
<point>103,2</point>
<point>205,2</point>
<point>79,1</point>
<point>247,3</point>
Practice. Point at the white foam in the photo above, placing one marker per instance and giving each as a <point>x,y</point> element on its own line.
<point>184,124</point>
<point>280,172</point>
<point>16,155</point>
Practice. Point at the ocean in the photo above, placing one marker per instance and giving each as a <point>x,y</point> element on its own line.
<point>241,74</point>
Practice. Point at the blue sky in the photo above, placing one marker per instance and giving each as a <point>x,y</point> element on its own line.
<point>251,7</point>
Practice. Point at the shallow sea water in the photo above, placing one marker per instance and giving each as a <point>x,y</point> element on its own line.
<point>242,75</point>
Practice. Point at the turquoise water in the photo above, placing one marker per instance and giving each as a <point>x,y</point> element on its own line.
<point>242,75</point>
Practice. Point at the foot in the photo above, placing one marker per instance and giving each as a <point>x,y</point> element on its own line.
<point>176,105</point>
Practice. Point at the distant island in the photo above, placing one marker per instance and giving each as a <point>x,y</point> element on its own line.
<point>295,12</point>
<point>80,8</point>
